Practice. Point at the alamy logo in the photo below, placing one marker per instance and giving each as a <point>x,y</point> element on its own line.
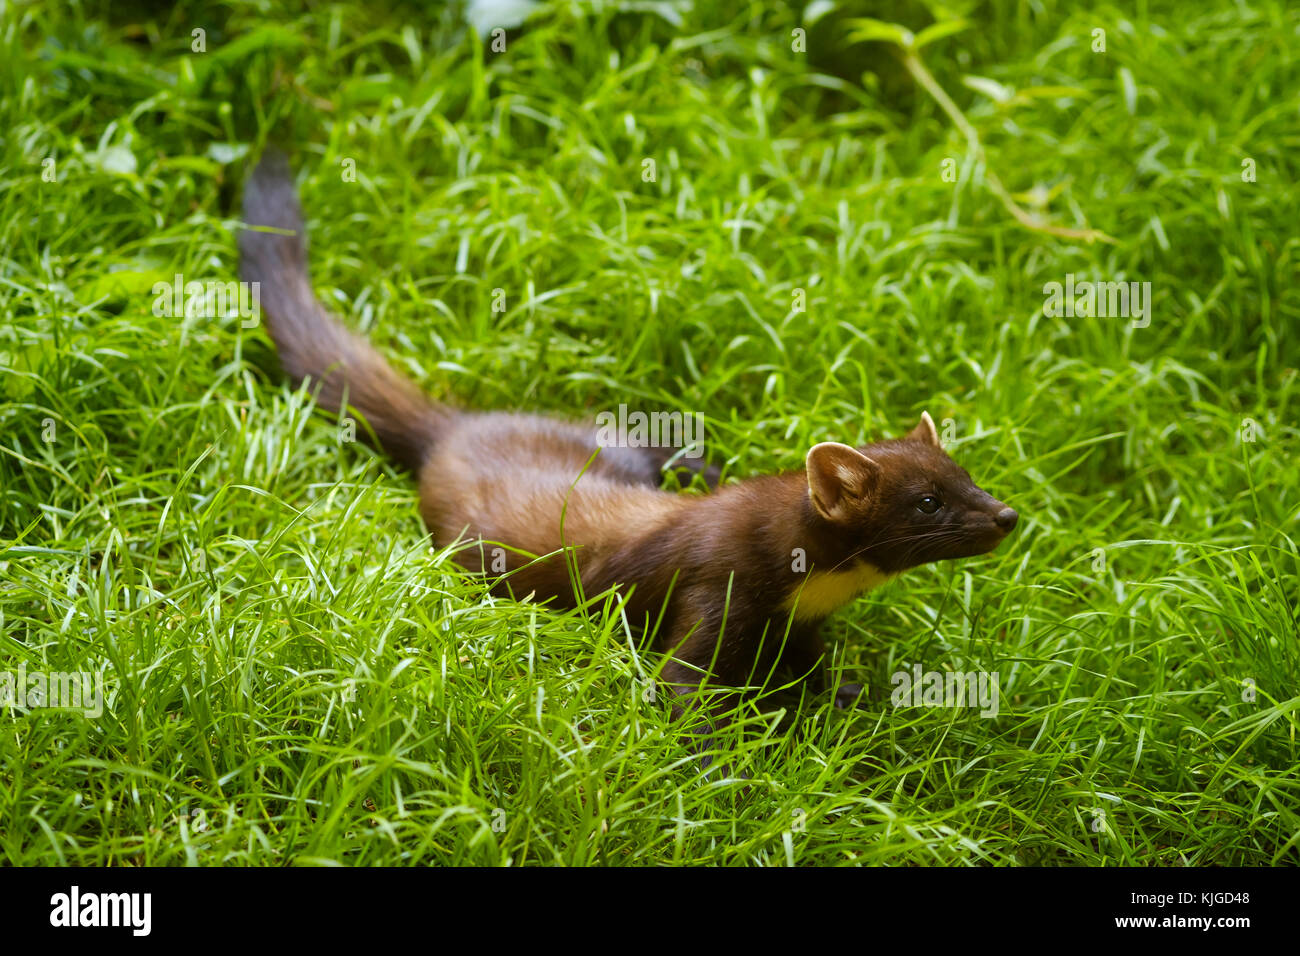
<point>63,690</point>
<point>919,688</point>
<point>208,300</point>
<point>1084,299</point>
<point>654,430</point>
<point>74,908</point>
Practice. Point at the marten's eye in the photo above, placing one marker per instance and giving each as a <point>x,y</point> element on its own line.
<point>929,504</point>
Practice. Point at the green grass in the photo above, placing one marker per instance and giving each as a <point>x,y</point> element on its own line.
<point>297,677</point>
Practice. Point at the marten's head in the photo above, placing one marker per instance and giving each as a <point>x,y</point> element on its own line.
<point>903,502</point>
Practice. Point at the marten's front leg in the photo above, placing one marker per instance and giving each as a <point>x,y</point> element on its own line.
<point>704,653</point>
<point>804,657</point>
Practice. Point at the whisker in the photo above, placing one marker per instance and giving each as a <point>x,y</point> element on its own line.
<point>912,539</point>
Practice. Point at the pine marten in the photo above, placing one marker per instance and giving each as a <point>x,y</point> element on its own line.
<point>734,583</point>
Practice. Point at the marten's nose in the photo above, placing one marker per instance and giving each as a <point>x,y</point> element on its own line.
<point>1007,518</point>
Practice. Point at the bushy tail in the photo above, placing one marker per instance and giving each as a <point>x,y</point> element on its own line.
<point>350,375</point>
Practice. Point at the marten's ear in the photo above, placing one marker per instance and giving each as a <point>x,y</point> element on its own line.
<point>839,476</point>
<point>925,432</point>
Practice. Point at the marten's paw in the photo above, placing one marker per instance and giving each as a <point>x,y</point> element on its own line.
<point>850,695</point>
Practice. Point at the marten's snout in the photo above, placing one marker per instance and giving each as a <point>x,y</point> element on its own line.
<point>1006,519</point>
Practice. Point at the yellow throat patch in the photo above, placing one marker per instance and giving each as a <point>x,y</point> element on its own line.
<point>823,592</point>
